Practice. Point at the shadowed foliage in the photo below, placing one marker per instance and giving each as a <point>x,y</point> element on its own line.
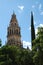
<point>14,55</point>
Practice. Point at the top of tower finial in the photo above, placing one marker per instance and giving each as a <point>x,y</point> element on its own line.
<point>13,11</point>
<point>13,18</point>
<point>13,15</point>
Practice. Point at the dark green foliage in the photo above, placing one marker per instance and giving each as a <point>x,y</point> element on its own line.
<point>13,55</point>
<point>38,48</point>
<point>32,30</point>
<point>0,42</point>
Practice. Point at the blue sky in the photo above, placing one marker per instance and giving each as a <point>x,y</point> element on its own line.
<point>22,9</point>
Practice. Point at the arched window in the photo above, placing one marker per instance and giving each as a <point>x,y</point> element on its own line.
<point>13,31</point>
<point>10,31</point>
<point>15,24</point>
<point>16,31</point>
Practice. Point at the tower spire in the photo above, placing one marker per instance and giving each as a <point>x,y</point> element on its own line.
<point>32,30</point>
<point>13,15</point>
<point>13,18</point>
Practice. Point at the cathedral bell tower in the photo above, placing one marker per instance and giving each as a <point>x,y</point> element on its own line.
<point>13,32</point>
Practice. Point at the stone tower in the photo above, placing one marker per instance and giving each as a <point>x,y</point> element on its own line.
<point>13,32</point>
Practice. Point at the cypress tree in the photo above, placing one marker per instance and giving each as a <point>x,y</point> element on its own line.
<point>32,30</point>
